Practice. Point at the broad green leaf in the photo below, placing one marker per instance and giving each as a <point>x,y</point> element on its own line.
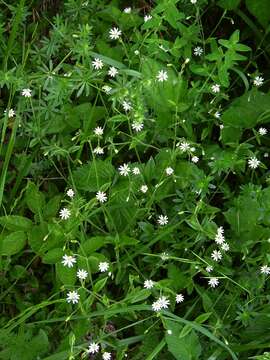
<point>12,243</point>
<point>92,176</point>
<point>15,222</point>
<point>53,256</point>
<point>99,285</point>
<point>66,275</point>
<point>89,246</point>
<point>260,9</point>
<point>35,200</point>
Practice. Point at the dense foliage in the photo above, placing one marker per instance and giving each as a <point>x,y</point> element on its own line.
<point>134,183</point>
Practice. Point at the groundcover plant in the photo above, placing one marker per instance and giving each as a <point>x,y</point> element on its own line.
<point>134,181</point>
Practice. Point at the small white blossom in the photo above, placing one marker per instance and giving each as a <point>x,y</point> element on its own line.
<point>219,238</point>
<point>97,64</point>
<point>184,146</point>
<point>162,75</point>
<point>266,154</point>
<point>148,284</point>
<point>262,131</point>
<point>93,348</point>
<point>144,188</point>
<point>70,193</point>
<point>258,81</point>
<point>253,163</point>
<point>64,214</point>
<point>162,220</point>
<point>169,332</point>
<point>225,247</point>
<point>106,356</point>
<point>10,112</point>
<point>115,33</point>
<point>124,170</point>
<point>98,131</point>
<point>136,171</point>
<point>265,270</point>
<point>161,303</point>
<point>73,297</point>
<point>98,150</point>
<point>137,126</point>
<point>27,93</point>
<point>169,171</point>
<point>217,114</point>
<point>198,51</point>
<point>221,126</point>
<point>112,71</point>
<point>101,196</point>
<point>156,306</point>
<point>193,2</point>
<point>126,105</point>
<point>209,268</point>
<point>179,298</point>
<point>103,266</point>
<point>82,274</point>
<point>68,260</point>
<point>195,159</point>
<point>164,256</point>
<point>147,18</point>
<point>127,10</point>
<point>216,255</point>
<point>215,88</point>
<point>213,282</point>
<point>106,89</point>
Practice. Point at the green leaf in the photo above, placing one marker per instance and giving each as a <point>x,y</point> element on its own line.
<point>35,200</point>
<point>12,243</point>
<point>66,275</point>
<point>92,176</point>
<point>260,9</point>
<point>52,207</point>
<point>15,222</point>
<point>91,245</point>
<point>185,348</point>
<point>229,4</point>
<point>99,285</point>
<point>53,256</point>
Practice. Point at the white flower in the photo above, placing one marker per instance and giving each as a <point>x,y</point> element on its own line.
<point>195,159</point>
<point>64,214</point>
<point>136,171</point>
<point>169,332</point>
<point>82,274</point>
<point>161,303</point>
<point>217,114</point>
<point>115,33</point>
<point>10,112</point>
<point>162,220</point>
<point>216,255</point>
<point>68,260</point>
<point>169,171</point>
<point>93,348</point>
<point>253,163</point>
<point>101,196</point>
<point>137,126</point>
<point>103,266</point>
<point>258,81</point>
<point>213,282</point>
<point>215,88</point>
<point>136,52</point>
<point>198,51</point>
<point>156,306</point>
<point>266,154</point>
<point>127,10</point>
<point>164,256</point>
<point>193,1</point>
<point>106,89</point>
<point>97,64</point>
<point>70,193</point>
<point>265,270</point>
<point>73,297</point>
<point>98,150</point>
<point>162,75</point>
<point>124,170</point>
<point>219,238</point>
<point>98,131</point>
<point>184,146</point>
<point>112,71</point>
<point>27,93</point>
<point>144,188</point>
<point>106,356</point>
<point>221,126</point>
<point>126,105</point>
<point>147,18</point>
<point>179,298</point>
<point>209,268</point>
<point>225,247</point>
<point>262,131</point>
<point>148,284</point>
